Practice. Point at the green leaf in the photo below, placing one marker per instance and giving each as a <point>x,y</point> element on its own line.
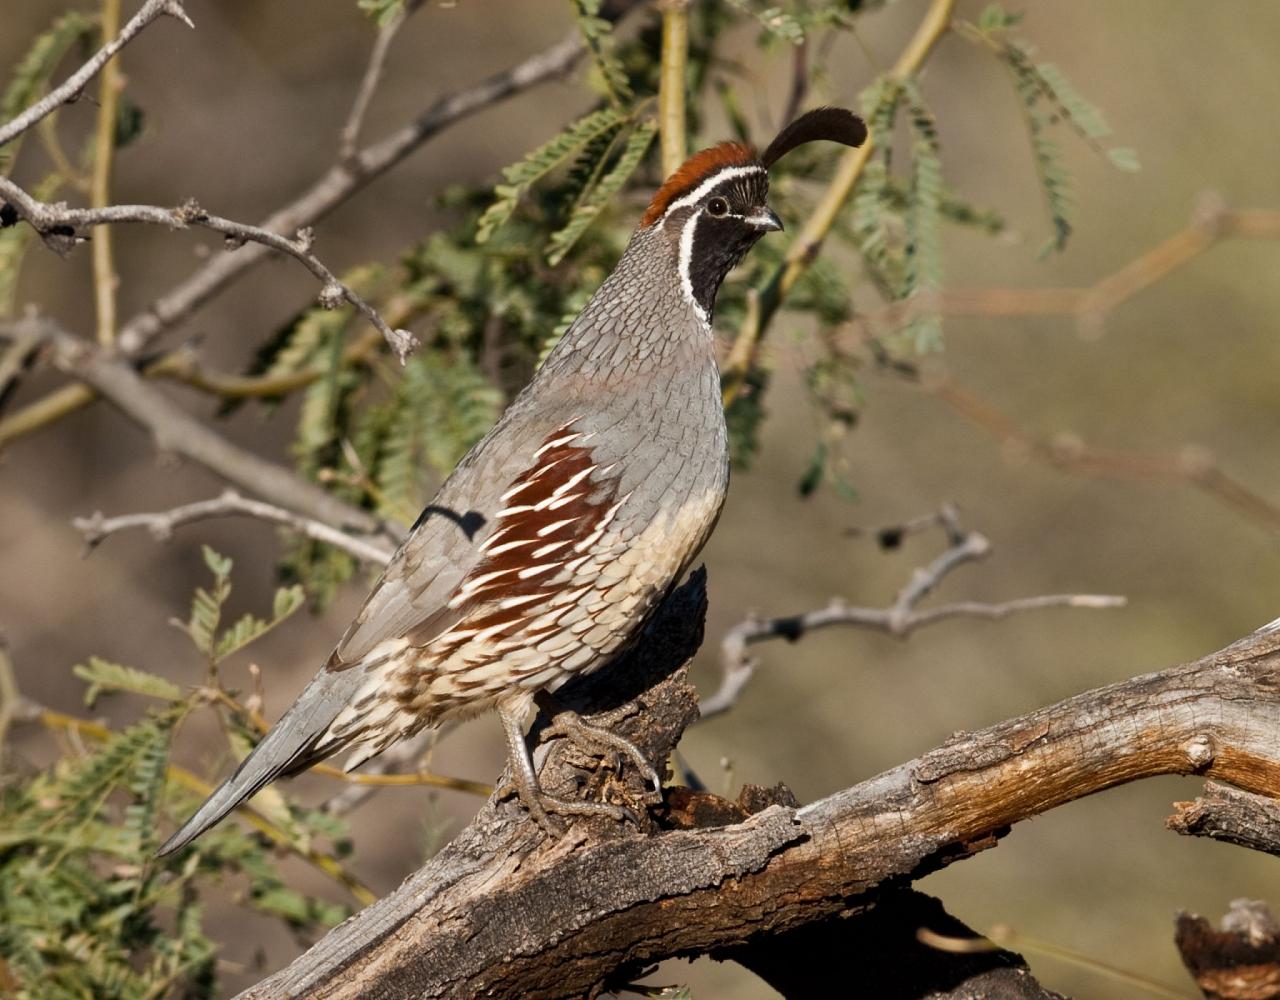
<point>994,18</point>
<point>219,565</point>
<point>597,34</point>
<point>596,199</point>
<point>286,602</point>
<point>250,627</point>
<point>381,11</point>
<point>1124,158</point>
<point>522,175</point>
<point>103,675</point>
<point>816,471</point>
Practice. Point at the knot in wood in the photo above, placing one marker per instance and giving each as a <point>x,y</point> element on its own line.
<point>1200,751</point>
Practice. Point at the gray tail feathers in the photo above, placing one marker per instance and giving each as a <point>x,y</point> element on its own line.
<point>289,747</point>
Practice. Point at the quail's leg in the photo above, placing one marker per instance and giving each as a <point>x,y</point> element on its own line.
<point>589,738</point>
<point>538,802</point>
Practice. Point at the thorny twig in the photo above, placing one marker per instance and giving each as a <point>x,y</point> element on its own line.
<point>335,186</point>
<point>75,84</point>
<point>899,619</point>
<point>58,225</point>
<point>229,503</point>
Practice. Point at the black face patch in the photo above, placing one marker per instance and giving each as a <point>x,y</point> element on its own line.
<point>718,246</point>
<point>721,236</point>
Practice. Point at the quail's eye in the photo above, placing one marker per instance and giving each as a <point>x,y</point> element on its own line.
<point>718,207</point>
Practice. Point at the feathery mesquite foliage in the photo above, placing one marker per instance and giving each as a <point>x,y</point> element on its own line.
<point>86,910</point>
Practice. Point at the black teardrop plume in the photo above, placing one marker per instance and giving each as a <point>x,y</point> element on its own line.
<point>833,124</point>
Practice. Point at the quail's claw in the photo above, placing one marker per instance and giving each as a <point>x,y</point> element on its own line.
<point>602,743</point>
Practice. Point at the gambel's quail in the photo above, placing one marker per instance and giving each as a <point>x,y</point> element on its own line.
<point>561,531</point>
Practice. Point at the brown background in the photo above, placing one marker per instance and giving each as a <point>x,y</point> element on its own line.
<point>245,111</point>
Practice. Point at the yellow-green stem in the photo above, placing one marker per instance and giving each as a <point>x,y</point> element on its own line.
<point>671,83</point>
<point>109,84</point>
<point>807,244</point>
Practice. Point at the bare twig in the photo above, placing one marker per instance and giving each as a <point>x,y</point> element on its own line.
<point>104,154</point>
<point>1067,452</point>
<point>1089,305</point>
<point>57,224</point>
<point>350,134</point>
<point>161,524</point>
<point>343,180</point>
<point>1228,814</point>
<point>75,84</point>
<point>899,619</point>
<point>337,185</point>
<point>176,431</point>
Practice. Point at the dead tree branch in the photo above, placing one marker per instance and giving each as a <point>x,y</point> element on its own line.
<point>1193,465</point>
<point>899,619</point>
<point>502,911</point>
<point>59,227</point>
<point>177,432</point>
<point>1228,814</point>
<point>229,503</point>
<point>75,84</point>
<point>1240,959</point>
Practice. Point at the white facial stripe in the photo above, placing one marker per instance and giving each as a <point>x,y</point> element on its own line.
<point>686,259</point>
<point>719,177</point>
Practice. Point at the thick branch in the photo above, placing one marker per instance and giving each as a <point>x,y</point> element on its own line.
<point>75,84</point>
<point>1226,813</point>
<point>230,503</point>
<point>504,912</point>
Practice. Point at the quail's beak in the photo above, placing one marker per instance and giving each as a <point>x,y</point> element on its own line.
<point>766,220</point>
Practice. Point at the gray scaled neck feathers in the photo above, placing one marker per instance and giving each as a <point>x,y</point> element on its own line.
<point>655,308</point>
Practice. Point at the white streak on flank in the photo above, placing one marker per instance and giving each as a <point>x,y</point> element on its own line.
<point>508,546</point>
<point>557,442</point>
<point>573,481</point>
<point>562,501</point>
<point>472,586</point>
<point>532,571</point>
<point>555,526</point>
<point>686,258</point>
<point>719,177</point>
<point>517,509</point>
<point>488,542</point>
<point>515,602</point>
<point>550,547</point>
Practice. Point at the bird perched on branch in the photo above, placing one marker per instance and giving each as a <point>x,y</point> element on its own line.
<point>558,534</point>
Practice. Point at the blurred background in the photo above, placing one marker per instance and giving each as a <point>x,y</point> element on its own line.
<point>244,112</point>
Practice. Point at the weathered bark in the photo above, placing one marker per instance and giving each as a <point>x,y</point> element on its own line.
<point>504,911</point>
<point>1240,960</point>
<point>1226,813</point>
